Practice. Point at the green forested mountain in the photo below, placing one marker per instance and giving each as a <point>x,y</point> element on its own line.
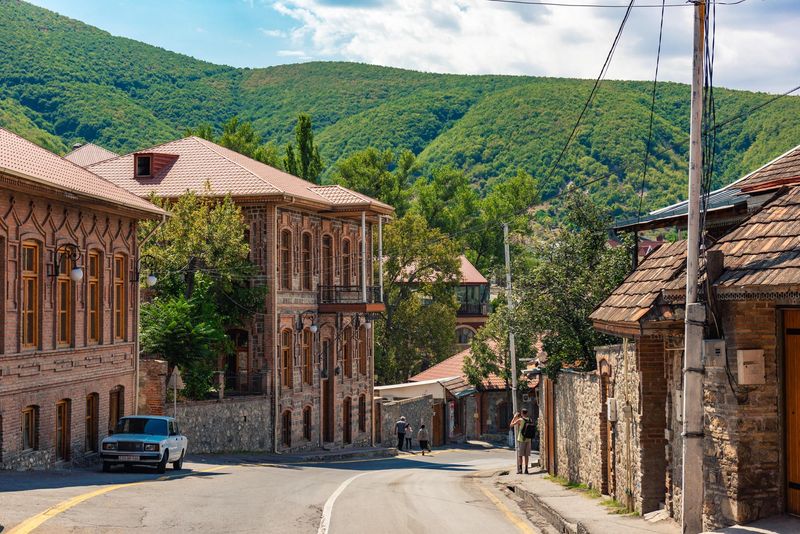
<point>62,81</point>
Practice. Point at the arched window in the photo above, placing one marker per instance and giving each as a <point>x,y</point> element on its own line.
<point>327,260</point>
<point>286,259</point>
<point>287,354</point>
<point>286,428</point>
<point>502,415</point>
<point>30,428</point>
<point>347,419</point>
<point>120,297</point>
<point>307,423</point>
<point>306,262</point>
<point>464,335</point>
<point>31,280</point>
<point>362,350</point>
<point>308,369</point>
<point>116,407</point>
<point>347,360</point>
<point>93,291</point>
<point>92,416</point>
<point>362,413</point>
<point>63,409</point>
<point>65,304</point>
<point>347,263</point>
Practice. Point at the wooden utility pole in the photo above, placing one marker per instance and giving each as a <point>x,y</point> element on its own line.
<point>512,349</point>
<point>692,494</point>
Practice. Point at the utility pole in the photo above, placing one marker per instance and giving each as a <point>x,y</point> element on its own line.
<point>692,495</point>
<point>511,347</point>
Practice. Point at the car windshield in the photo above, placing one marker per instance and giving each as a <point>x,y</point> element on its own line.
<point>155,427</point>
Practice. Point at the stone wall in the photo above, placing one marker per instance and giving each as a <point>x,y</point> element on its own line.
<point>417,411</point>
<point>228,425</point>
<point>577,412</point>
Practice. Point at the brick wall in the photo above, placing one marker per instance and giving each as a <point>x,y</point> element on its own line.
<point>152,386</point>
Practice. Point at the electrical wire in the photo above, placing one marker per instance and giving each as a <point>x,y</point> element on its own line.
<point>565,4</point>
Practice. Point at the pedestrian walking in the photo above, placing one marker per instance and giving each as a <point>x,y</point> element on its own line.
<point>525,430</point>
<point>400,428</point>
<point>409,435</point>
<point>423,438</point>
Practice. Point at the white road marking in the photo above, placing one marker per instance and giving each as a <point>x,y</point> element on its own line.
<point>327,511</point>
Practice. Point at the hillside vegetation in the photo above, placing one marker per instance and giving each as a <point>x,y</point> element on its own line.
<point>62,81</point>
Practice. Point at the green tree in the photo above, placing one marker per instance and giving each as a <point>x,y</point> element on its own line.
<point>381,175</point>
<point>447,201</point>
<point>420,272</point>
<point>562,276</point>
<point>303,159</point>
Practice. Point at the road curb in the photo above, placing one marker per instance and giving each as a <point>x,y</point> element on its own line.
<point>553,517</point>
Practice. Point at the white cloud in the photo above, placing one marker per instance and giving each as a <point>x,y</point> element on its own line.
<point>480,37</point>
<point>272,33</point>
<point>296,54</point>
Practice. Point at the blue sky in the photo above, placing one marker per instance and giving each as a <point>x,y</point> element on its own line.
<point>756,40</point>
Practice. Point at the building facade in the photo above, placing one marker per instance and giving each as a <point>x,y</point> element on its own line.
<point>309,352</point>
<point>474,305</point>
<point>68,250</point>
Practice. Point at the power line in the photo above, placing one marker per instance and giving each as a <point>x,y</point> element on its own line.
<point>775,98</point>
<point>564,4</point>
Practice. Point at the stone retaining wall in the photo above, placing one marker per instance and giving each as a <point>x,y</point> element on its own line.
<point>227,425</point>
<point>417,411</point>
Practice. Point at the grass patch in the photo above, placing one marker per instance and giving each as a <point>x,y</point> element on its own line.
<point>615,507</point>
<point>593,493</point>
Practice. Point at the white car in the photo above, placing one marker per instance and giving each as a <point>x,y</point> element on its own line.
<point>145,440</point>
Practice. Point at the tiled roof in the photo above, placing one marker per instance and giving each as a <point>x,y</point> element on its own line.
<point>635,297</point>
<point>19,157</point>
<point>469,274</point>
<point>784,169</point>
<point>200,163</point>
<point>454,366</point>
<point>89,154</point>
<point>764,251</point>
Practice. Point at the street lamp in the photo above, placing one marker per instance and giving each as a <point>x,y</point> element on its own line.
<point>300,323</point>
<point>151,279</point>
<point>71,252</point>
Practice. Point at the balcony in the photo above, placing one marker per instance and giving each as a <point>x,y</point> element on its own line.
<point>474,308</point>
<point>350,299</point>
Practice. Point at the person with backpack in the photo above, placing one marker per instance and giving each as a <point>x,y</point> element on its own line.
<point>524,435</point>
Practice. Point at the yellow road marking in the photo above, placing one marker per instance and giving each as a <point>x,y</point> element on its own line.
<point>32,523</point>
<point>519,523</point>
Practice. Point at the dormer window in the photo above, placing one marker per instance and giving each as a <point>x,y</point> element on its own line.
<point>144,166</point>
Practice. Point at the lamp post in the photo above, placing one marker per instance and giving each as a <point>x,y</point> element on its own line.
<point>151,280</point>
<point>71,252</point>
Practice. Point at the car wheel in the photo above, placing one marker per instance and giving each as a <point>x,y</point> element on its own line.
<point>162,465</point>
<point>106,467</point>
<point>177,466</point>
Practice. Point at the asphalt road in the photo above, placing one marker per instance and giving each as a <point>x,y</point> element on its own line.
<point>410,494</point>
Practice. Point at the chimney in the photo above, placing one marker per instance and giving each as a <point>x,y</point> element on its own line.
<point>76,146</point>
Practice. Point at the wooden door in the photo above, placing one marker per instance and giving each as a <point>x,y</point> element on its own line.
<point>438,424</point>
<point>550,422</point>
<point>328,415</point>
<point>791,323</point>
<point>608,442</point>
<point>377,422</point>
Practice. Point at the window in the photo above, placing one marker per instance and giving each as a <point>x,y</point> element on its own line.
<point>327,260</point>
<point>143,164</point>
<point>62,430</point>
<point>92,412</point>
<point>308,370</point>
<point>464,335</point>
<point>348,352</point>
<point>307,423</point>
<point>347,419</point>
<point>120,298</point>
<point>306,262</point>
<point>286,358</point>
<point>362,350</point>
<point>347,258</point>
<point>286,259</point>
<point>30,294</point>
<point>116,407</point>
<point>93,297</point>
<point>362,413</point>
<point>30,428</point>
<point>286,428</point>
<point>64,309</point>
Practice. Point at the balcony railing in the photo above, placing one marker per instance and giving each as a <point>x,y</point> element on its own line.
<point>474,308</point>
<point>348,295</point>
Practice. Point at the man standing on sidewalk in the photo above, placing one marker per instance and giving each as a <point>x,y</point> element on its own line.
<point>524,427</point>
<point>400,428</point>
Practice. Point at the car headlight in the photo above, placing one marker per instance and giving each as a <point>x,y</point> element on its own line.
<point>109,446</point>
<point>151,446</point>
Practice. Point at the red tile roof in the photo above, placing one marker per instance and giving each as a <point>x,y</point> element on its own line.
<point>454,366</point>
<point>200,163</point>
<point>469,274</point>
<point>28,161</point>
<point>89,154</point>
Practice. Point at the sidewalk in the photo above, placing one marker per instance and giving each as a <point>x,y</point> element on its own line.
<point>572,511</point>
<point>367,453</point>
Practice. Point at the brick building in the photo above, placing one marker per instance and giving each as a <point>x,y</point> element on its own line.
<point>750,284</point>
<point>68,250</point>
<point>310,351</point>
<point>473,296</point>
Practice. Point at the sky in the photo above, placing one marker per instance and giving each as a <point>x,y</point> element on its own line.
<point>756,40</point>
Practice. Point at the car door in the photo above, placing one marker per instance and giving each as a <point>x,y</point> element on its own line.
<point>172,442</point>
<point>180,441</point>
